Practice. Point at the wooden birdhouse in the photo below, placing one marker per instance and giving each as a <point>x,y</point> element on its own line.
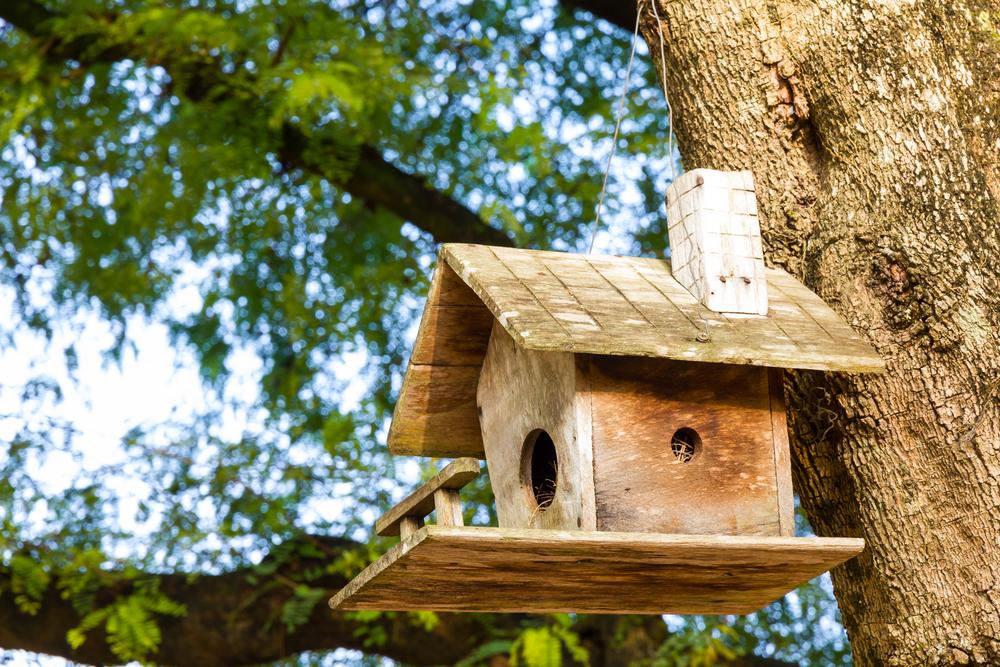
<point>633,425</point>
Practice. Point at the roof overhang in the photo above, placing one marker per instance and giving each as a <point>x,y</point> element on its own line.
<point>564,302</point>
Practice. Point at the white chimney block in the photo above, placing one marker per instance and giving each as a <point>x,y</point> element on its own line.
<point>715,247</point>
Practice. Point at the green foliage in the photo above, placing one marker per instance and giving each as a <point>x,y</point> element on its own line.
<point>371,633</point>
<point>29,580</point>
<point>82,577</point>
<point>299,606</point>
<point>549,645</point>
<point>702,646</point>
<point>129,622</point>
<point>485,651</point>
<point>425,620</point>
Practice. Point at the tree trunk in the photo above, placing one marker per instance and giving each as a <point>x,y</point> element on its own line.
<point>871,127</point>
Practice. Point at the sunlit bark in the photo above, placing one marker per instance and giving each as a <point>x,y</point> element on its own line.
<point>872,131</point>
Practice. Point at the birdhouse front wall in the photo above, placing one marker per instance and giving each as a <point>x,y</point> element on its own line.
<point>521,395</point>
<point>633,444</point>
<point>686,447</point>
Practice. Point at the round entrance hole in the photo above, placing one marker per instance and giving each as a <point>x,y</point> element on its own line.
<point>540,468</point>
<point>685,444</point>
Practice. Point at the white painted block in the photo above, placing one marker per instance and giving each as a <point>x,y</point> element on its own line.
<point>715,246</point>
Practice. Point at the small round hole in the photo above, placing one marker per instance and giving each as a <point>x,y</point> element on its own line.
<point>540,468</point>
<point>685,444</point>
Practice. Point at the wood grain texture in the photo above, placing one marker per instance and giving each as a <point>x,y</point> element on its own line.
<point>494,569</point>
<point>435,413</point>
<point>448,508</point>
<point>782,454</point>
<point>408,525</point>
<point>715,245</point>
<point>729,487</point>
<point>421,502</point>
<point>607,305</point>
<point>521,391</point>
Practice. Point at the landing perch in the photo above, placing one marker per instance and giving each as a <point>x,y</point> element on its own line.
<point>447,568</point>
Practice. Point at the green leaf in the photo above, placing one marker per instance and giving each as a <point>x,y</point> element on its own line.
<point>29,581</point>
<point>297,609</point>
<point>484,651</point>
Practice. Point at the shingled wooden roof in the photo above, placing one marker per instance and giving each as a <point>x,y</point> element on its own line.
<point>594,305</point>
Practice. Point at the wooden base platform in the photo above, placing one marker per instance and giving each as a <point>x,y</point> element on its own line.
<point>444,568</point>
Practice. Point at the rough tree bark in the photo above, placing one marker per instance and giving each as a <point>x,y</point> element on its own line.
<point>871,127</point>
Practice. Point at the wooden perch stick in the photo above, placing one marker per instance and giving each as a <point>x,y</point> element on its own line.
<point>440,492</point>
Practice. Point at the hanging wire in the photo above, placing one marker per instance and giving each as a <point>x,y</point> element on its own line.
<point>614,141</point>
<point>704,336</point>
<point>620,114</point>
<point>663,82</point>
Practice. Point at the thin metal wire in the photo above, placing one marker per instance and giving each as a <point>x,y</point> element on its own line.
<point>614,141</point>
<point>704,336</point>
<point>663,82</point>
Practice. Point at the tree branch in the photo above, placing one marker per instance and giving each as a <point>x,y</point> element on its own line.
<point>235,619</point>
<point>621,14</point>
<point>374,180</point>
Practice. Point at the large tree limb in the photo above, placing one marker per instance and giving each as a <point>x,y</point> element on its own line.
<point>374,180</point>
<point>886,206</point>
<point>621,14</point>
<point>235,619</point>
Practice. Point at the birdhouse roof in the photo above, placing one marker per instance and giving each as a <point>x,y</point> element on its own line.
<point>626,306</point>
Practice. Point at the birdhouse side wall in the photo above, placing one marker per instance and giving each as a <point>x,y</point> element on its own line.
<point>719,477</point>
<point>523,392</point>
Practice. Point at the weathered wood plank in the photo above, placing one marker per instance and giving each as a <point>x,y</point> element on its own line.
<point>510,301</point>
<point>715,245</point>
<point>782,455</point>
<point>728,487</point>
<point>452,335</point>
<point>448,508</point>
<point>524,288</point>
<point>535,571</point>
<point>436,413</point>
<point>550,292</point>
<point>420,503</point>
<point>520,392</point>
<point>621,306</point>
<point>409,525</point>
